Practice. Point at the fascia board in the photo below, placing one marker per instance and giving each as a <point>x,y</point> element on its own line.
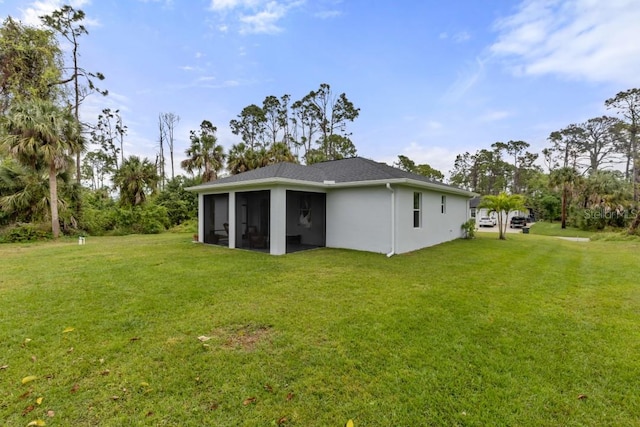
<point>266,182</point>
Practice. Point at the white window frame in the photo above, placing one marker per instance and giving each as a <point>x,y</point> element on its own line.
<point>417,210</point>
<point>443,204</point>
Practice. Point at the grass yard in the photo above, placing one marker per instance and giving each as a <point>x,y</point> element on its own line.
<point>158,331</point>
<point>544,228</point>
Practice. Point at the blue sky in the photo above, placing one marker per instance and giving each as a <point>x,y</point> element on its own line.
<point>432,78</point>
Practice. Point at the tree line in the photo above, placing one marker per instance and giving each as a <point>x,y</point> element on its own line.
<point>43,143</point>
<point>76,177</point>
<point>310,130</point>
<point>591,178</point>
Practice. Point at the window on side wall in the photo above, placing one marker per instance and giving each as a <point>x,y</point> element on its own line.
<point>473,212</point>
<point>417,209</point>
<point>443,204</point>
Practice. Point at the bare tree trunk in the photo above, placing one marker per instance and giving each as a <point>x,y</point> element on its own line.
<point>633,229</point>
<point>634,169</point>
<point>564,206</point>
<point>53,199</point>
<point>161,156</point>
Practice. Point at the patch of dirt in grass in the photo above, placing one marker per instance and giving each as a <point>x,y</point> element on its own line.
<point>243,337</point>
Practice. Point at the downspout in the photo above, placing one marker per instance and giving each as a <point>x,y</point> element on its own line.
<point>393,221</point>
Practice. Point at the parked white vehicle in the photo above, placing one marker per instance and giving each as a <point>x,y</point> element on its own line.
<point>486,221</point>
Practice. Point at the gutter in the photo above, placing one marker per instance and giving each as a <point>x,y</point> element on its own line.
<point>214,186</point>
<point>393,221</point>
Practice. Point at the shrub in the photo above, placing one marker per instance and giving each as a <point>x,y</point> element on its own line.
<point>145,219</point>
<point>469,229</point>
<point>21,233</point>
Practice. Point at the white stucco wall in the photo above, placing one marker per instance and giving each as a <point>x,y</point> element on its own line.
<point>436,227</point>
<point>359,218</point>
<point>278,221</point>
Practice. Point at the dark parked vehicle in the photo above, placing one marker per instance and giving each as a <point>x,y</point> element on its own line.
<point>518,222</point>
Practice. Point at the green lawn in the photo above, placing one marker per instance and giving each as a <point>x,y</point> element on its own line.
<point>531,331</point>
<point>554,229</point>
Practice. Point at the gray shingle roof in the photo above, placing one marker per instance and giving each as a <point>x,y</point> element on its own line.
<point>279,170</point>
<point>355,169</point>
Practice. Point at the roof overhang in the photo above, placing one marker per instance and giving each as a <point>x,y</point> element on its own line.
<point>214,187</point>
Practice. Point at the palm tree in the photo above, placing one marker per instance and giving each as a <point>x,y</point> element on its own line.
<point>280,152</point>
<point>502,204</point>
<point>565,177</point>
<point>240,159</point>
<point>135,179</point>
<point>39,132</point>
<point>23,192</point>
<point>204,154</point>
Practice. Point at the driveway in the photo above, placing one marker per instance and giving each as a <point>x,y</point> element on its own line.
<point>494,229</point>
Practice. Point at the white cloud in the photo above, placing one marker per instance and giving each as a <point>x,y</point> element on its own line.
<point>31,14</point>
<point>233,4</point>
<point>265,21</point>
<point>466,80</point>
<point>439,158</point>
<point>328,14</point>
<point>580,39</point>
<point>254,16</point>
<point>168,4</point>
<point>461,37</point>
<point>493,116</point>
<point>434,125</point>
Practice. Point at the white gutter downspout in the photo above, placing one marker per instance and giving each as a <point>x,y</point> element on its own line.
<point>393,221</point>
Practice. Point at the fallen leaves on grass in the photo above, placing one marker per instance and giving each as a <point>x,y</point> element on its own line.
<point>39,400</point>
<point>582,396</point>
<point>68,329</point>
<point>3,367</point>
<point>349,423</point>
<point>25,394</point>
<point>105,372</point>
<point>203,338</point>
<point>268,388</point>
<point>75,388</point>
<point>289,396</point>
<point>29,378</point>
<point>249,400</point>
<point>134,339</point>
<point>51,413</point>
<point>282,420</point>
<point>38,423</point>
<point>26,341</point>
<point>28,409</point>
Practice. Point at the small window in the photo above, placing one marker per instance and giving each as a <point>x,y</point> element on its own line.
<point>443,205</point>
<point>473,212</point>
<point>417,208</point>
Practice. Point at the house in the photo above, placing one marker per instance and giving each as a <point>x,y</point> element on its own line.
<point>353,203</point>
<point>476,212</point>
